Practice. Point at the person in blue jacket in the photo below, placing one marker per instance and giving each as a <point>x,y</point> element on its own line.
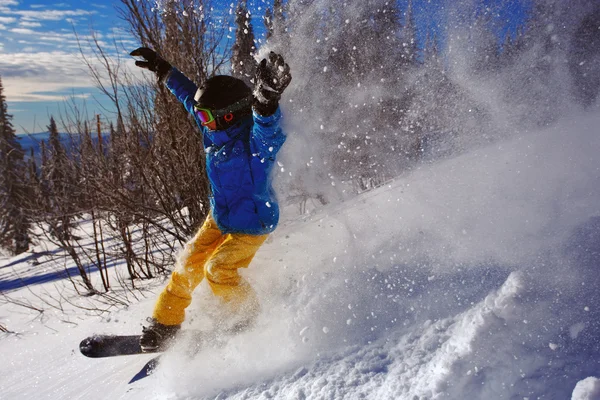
<point>242,136</point>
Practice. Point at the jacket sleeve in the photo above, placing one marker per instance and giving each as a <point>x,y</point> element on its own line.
<point>267,136</point>
<point>182,88</point>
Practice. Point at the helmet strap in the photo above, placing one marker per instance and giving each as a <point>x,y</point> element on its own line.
<point>227,116</point>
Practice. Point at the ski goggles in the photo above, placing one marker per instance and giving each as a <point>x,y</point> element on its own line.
<point>207,116</point>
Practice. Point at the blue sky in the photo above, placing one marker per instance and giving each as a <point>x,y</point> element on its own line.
<point>40,63</point>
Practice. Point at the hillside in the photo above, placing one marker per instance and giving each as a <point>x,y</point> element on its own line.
<point>474,277</point>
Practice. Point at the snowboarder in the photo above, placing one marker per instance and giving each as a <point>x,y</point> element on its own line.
<point>241,136</point>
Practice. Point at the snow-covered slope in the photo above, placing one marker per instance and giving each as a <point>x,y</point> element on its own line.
<point>476,277</point>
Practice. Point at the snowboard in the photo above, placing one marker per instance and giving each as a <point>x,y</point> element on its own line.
<point>102,346</point>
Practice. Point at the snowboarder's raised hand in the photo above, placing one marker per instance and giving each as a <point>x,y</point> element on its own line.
<point>152,61</point>
<point>272,77</point>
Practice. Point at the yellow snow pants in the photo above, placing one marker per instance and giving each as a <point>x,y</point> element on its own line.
<point>216,257</point>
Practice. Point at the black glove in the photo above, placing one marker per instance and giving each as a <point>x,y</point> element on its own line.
<point>271,79</point>
<point>152,61</point>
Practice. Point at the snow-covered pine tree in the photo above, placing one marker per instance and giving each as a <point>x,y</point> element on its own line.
<point>243,64</point>
<point>276,28</point>
<point>512,48</point>
<point>409,36</point>
<point>537,73</point>
<point>14,219</point>
<point>484,56</point>
<point>369,57</point>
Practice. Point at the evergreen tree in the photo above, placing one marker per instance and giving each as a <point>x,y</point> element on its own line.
<point>268,21</point>
<point>14,219</point>
<point>432,58</point>
<point>59,181</point>
<point>584,57</point>
<point>279,28</point>
<point>484,49</point>
<point>512,49</point>
<point>34,185</point>
<point>242,61</point>
<point>537,78</point>
<point>409,37</point>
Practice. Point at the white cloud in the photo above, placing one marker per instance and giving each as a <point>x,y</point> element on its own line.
<point>48,97</point>
<point>34,76</point>
<point>40,70</point>
<point>38,76</point>
<point>23,31</point>
<point>29,24</point>
<point>5,3</point>
<point>54,36</point>
<point>50,15</point>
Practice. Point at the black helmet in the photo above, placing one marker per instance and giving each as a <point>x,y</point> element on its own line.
<point>221,91</point>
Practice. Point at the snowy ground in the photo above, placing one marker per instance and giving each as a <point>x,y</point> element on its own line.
<point>472,278</point>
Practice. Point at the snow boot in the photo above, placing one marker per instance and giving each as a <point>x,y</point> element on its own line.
<point>157,336</point>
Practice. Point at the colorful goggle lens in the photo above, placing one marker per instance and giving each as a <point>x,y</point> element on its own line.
<point>205,115</point>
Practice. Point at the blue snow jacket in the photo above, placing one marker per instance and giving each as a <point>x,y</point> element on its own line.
<point>239,161</point>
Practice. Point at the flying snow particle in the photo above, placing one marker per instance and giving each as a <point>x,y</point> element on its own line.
<point>587,389</point>
<point>576,329</point>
